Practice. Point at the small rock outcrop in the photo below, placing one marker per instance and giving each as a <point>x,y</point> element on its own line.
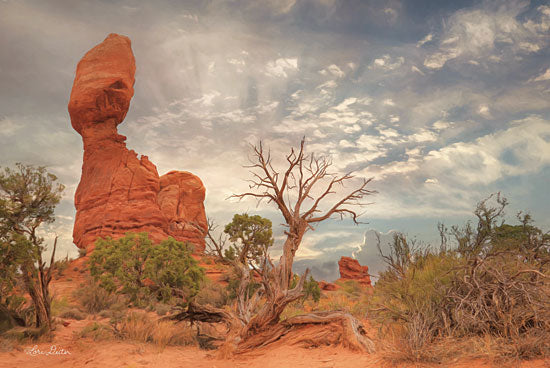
<point>327,286</point>
<point>350,269</point>
<point>120,192</point>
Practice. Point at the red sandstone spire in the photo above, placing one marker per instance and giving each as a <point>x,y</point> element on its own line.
<point>119,192</point>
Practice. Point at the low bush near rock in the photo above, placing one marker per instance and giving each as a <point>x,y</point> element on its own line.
<point>146,272</point>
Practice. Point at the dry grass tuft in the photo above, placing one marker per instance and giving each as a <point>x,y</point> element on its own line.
<point>167,333</point>
<point>140,327</point>
<point>73,314</point>
<point>94,298</point>
<point>97,332</point>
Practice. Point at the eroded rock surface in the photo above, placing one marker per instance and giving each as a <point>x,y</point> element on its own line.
<point>350,269</point>
<point>120,192</point>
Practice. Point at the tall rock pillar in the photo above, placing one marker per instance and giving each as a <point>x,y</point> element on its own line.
<point>119,192</point>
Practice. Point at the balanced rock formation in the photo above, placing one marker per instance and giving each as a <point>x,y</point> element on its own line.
<point>350,269</point>
<point>119,192</point>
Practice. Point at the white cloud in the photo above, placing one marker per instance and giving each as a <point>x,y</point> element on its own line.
<point>529,47</point>
<point>542,77</point>
<point>211,67</point>
<point>192,17</point>
<point>208,98</point>
<point>236,62</point>
<point>423,136</point>
<point>345,144</point>
<point>389,133</point>
<point>328,84</point>
<point>280,67</point>
<point>370,142</point>
<point>520,149</point>
<point>334,70</point>
<point>344,104</point>
<point>543,25</point>
<point>484,111</point>
<point>440,125</point>
<point>8,127</point>
<point>489,32</point>
<point>396,168</point>
<point>414,152</point>
<point>351,129</point>
<point>438,59</point>
<point>387,63</point>
<point>426,39</point>
<point>414,68</point>
<point>367,252</point>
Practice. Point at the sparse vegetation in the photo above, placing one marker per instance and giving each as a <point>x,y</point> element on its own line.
<point>73,313</point>
<point>97,332</point>
<point>94,298</point>
<point>61,265</point>
<point>167,333</point>
<point>60,305</point>
<point>28,197</point>
<point>486,283</point>
<point>311,288</point>
<point>140,327</point>
<point>213,294</point>
<point>350,297</point>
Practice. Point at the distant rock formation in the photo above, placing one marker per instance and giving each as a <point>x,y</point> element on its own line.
<point>119,192</point>
<point>327,286</point>
<point>350,269</point>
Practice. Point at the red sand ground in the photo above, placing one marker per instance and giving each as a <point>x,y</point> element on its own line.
<point>90,354</point>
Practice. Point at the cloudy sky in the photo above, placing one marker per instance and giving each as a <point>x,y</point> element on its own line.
<point>442,102</point>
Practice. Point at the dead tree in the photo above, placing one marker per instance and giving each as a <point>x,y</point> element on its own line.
<point>214,245</point>
<point>300,194</point>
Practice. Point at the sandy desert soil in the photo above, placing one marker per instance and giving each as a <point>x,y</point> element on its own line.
<point>91,354</point>
<point>87,353</point>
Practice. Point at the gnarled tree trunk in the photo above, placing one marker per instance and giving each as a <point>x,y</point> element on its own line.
<point>251,327</point>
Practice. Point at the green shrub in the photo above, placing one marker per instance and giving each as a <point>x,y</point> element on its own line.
<point>145,272</point>
<point>311,288</point>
